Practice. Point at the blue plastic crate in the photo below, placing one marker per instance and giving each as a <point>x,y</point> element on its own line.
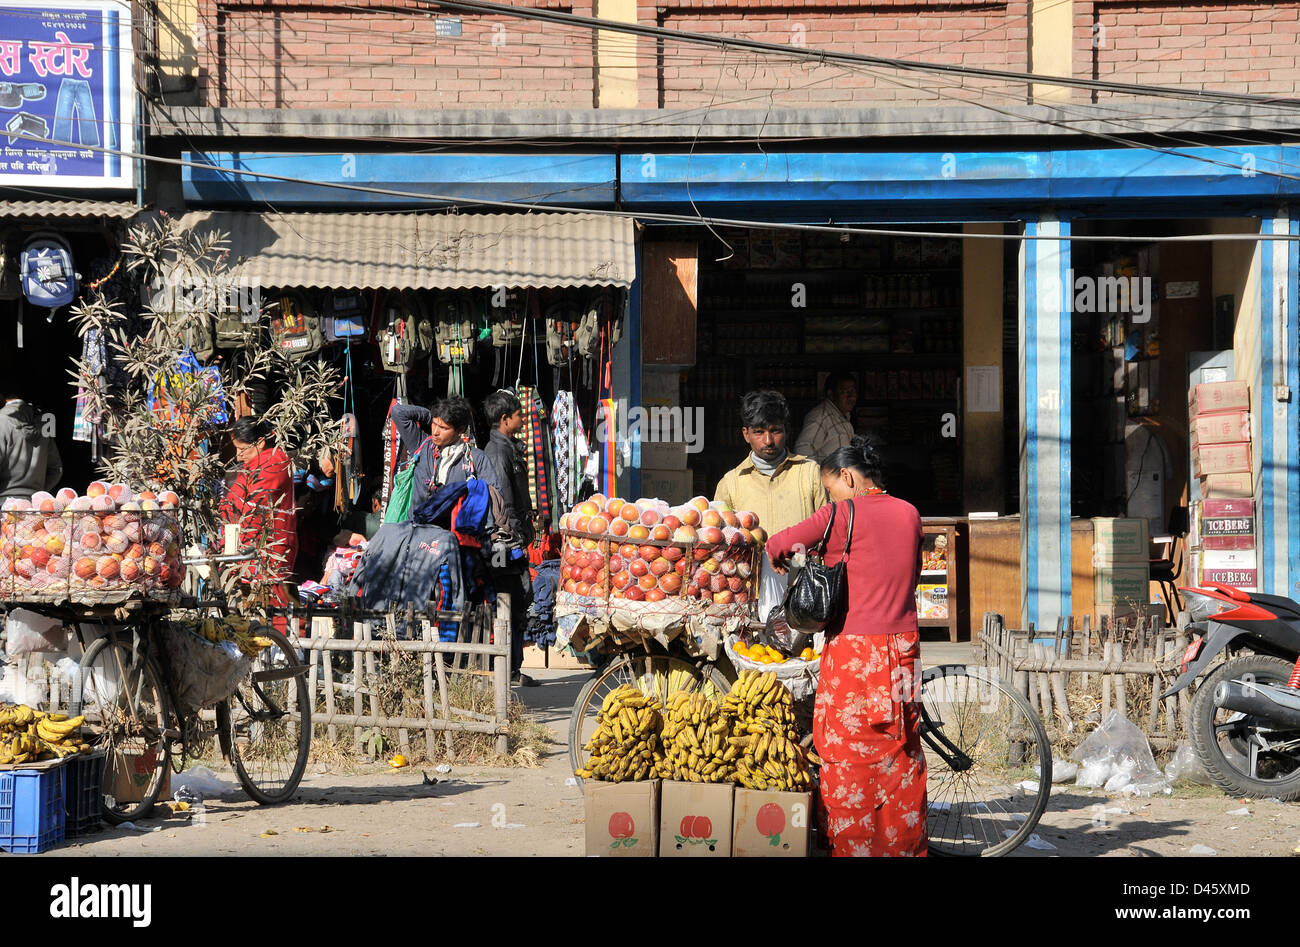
<point>84,793</point>
<point>31,809</point>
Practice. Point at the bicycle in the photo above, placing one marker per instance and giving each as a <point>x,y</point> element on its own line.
<point>125,690</point>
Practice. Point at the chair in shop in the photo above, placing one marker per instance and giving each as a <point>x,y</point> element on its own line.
<point>1169,568</point>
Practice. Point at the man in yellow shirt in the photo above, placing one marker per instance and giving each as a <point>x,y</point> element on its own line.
<point>780,487</point>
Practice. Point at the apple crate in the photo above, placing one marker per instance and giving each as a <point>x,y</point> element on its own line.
<point>32,817</point>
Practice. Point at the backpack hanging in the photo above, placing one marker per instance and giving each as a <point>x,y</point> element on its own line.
<point>295,327</point>
<point>453,317</point>
<point>562,321</point>
<point>46,271</point>
<point>586,338</point>
<point>344,315</point>
<point>398,337</point>
<point>508,321</point>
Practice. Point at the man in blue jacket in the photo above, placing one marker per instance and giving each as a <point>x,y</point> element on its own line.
<point>446,455</point>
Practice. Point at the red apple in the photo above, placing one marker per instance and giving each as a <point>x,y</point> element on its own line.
<point>717,583</point>
<point>730,518</point>
<point>597,525</point>
<point>661,566</point>
<point>735,583</point>
<point>742,598</point>
<point>700,503</point>
<point>711,535</point>
<point>649,553</point>
<point>97,489</point>
<point>570,555</point>
<point>671,583</point>
<point>700,554</point>
<point>647,582</point>
<point>570,585</point>
<point>672,521</point>
<point>629,513</point>
<point>661,532</point>
<point>587,509</point>
<point>712,518</point>
<point>748,520</point>
<point>724,598</point>
<point>728,567</point>
<point>84,568</point>
<point>680,567</point>
<point>759,535</point>
<point>581,523</point>
<point>151,565</point>
<point>649,517</point>
<point>689,515</point>
<point>588,575</point>
<point>599,499</point>
<point>40,557</point>
<point>613,506</point>
<point>673,553</point>
<point>628,550</point>
<point>622,579</point>
<point>583,589</point>
<point>638,532</point>
<point>685,534</point>
<point>639,567</point>
<point>618,526</point>
<point>107,567</point>
<point>633,593</point>
<point>655,595</point>
<point>617,564</point>
<point>130,570</point>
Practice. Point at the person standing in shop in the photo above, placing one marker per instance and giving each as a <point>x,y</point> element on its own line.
<point>506,454</point>
<point>29,459</point>
<point>449,457</point>
<point>829,426</point>
<point>780,487</point>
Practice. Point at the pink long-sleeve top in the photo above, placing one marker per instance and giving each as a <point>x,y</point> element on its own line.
<point>884,561</point>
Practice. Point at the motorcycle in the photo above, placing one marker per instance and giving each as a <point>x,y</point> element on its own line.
<point>1245,715</point>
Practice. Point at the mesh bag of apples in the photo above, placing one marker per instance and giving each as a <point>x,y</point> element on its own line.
<point>638,555</point>
<point>110,539</point>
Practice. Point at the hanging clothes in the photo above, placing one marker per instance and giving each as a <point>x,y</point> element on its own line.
<point>562,431</point>
<point>537,448</point>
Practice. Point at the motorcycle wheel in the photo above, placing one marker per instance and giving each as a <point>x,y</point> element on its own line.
<point>1224,738</point>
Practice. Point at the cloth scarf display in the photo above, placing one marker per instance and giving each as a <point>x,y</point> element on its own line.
<point>571,450</point>
<point>537,449</point>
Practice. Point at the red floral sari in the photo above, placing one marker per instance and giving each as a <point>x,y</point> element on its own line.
<point>872,799</point>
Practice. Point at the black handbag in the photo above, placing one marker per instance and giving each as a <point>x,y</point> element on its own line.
<point>818,593</point>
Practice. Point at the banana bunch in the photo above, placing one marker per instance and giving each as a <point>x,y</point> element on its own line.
<point>625,745</point>
<point>764,735</point>
<point>29,736</point>
<point>695,741</point>
<point>231,628</point>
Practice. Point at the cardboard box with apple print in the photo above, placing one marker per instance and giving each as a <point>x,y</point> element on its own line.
<point>769,824</point>
<point>696,820</point>
<point>622,818</point>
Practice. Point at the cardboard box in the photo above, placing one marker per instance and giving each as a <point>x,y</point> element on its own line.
<point>1215,509</point>
<point>1230,428</point>
<point>932,601</point>
<point>1120,540</point>
<point>1221,459</point>
<point>1219,543</point>
<point>1122,584</point>
<point>1238,486</point>
<point>1229,559</point>
<point>695,820</point>
<point>129,773</point>
<point>1244,579</point>
<point>1218,396</point>
<point>622,818</point>
<point>771,824</point>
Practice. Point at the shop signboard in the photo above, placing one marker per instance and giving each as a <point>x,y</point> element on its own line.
<point>67,96</point>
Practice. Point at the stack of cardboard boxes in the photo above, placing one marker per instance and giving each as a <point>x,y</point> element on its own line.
<point>1221,541</point>
<point>1121,566</point>
<point>695,820</point>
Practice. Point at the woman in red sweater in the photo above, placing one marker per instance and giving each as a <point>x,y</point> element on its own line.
<point>261,502</point>
<point>866,721</point>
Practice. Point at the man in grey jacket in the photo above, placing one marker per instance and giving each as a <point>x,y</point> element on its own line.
<point>29,460</point>
<point>447,458</point>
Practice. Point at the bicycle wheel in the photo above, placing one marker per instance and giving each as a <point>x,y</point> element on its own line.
<point>127,713</point>
<point>270,723</point>
<point>659,675</point>
<point>988,762</point>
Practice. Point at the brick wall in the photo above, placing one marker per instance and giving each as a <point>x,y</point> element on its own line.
<point>980,33</point>
<point>292,54</point>
<point>1229,45</point>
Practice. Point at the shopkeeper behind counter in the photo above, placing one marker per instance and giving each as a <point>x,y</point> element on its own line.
<point>780,487</point>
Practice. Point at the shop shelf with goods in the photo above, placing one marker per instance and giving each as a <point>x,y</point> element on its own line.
<point>938,593</point>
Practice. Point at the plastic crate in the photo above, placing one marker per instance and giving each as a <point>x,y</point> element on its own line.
<point>84,793</point>
<point>31,809</point>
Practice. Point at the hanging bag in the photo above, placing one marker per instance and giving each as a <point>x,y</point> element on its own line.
<point>818,594</point>
<point>397,335</point>
<point>453,316</point>
<point>399,501</point>
<point>295,327</point>
<point>345,316</point>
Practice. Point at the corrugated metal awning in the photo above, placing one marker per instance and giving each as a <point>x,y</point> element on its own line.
<point>120,210</point>
<point>424,251</point>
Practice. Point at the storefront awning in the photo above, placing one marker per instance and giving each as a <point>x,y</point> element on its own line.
<point>120,210</point>
<point>424,251</point>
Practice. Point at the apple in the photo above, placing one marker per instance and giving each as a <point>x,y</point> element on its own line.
<point>746,537</point>
<point>47,506</point>
<point>700,503</point>
<point>40,557</point>
<point>130,570</point>
<point>639,567</point>
<point>617,593</point>
<point>613,506</point>
<point>673,553</point>
<point>638,532</point>
<point>622,579</point>
<point>67,495</point>
<point>597,525</point>
<point>629,513</point>
<point>569,555</point>
<point>717,583</point>
<point>628,551</point>
<point>747,519</point>
<point>647,582</point>
<point>157,550</point>
<point>59,567</point>
<point>596,561</point>
<point>581,524</point>
<point>598,498</point>
<point>107,567</point>
<point>588,575</point>
<point>661,567</point>
<point>728,567</point>
<point>147,495</point>
<point>583,589</point>
<point>649,517</point>
<point>711,536</point>
<point>724,597</point>
<point>618,526</point>
<point>742,598</point>
<point>672,521</point>
<point>617,564</point>
<point>671,583</point>
<point>735,538</point>
<point>54,545</point>
<point>570,585</point>
<point>587,509</point>
<point>151,565</point>
<point>169,500</point>
<point>602,579</point>
<point>735,583</point>
<point>744,569</point>
<point>590,544</point>
<point>759,535</point>
<point>712,518</point>
<point>680,567</point>
<point>649,553</point>
<point>661,532</point>
<point>634,592</point>
<point>689,515</point>
<point>700,553</point>
<point>655,595</point>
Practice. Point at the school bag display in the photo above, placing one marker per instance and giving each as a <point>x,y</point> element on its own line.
<point>46,271</point>
<point>453,317</point>
<point>399,318</point>
<point>295,327</point>
<point>344,316</point>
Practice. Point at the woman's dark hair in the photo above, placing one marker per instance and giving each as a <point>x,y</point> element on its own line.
<point>500,404</point>
<point>764,409</point>
<point>453,411</point>
<point>249,430</point>
<point>862,456</point>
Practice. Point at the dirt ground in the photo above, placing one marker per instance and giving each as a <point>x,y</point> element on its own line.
<point>488,811</point>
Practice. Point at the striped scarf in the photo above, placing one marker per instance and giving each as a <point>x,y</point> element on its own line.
<point>537,451</point>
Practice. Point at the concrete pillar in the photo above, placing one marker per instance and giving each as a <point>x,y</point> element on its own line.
<point>982,432</point>
<point>1272,365</point>
<point>616,57</point>
<point>1045,401</point>
<point>1051,50</point>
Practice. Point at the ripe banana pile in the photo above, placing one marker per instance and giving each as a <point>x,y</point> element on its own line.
<point>764,735</point>
<point>625,746</point>
<point>29,736</point>
<point>695,741</point>
<point>231,628</point>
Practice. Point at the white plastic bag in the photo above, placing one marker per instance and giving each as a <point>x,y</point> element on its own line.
<point>198,783</point>
<point>1118,757</point>
<point>771,588</point>
<point>27,631</point>
<point>1186,765</point>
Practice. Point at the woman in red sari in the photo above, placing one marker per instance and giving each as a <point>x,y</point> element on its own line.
<point>261,501</point>
<point>865,720</point>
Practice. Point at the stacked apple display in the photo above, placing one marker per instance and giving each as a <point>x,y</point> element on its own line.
<point>648,551</point>
<point>109,539</point>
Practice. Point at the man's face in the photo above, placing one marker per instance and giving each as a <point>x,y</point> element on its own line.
<point>512,424</point>
<point>766,442</point>
<point>444,435</point>
<point>844,396</point>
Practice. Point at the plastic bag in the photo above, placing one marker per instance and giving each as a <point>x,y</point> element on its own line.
<point>27,631</point>
<point>198,783</point>
<point>771,588</point>
<point>1118,757</point>
<point>1186,765</point>
<point>778,634</point>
